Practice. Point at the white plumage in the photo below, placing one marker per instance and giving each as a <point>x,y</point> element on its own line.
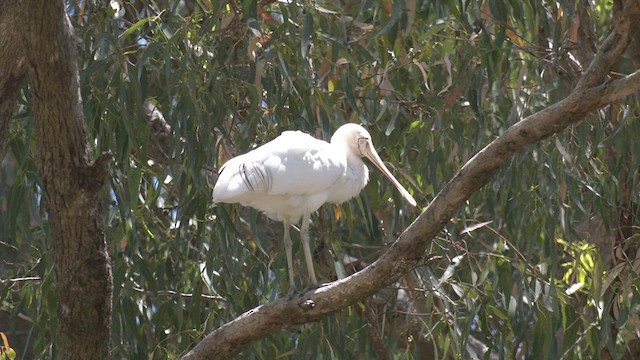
<point>291,176</point>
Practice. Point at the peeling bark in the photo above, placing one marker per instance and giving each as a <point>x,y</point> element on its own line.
<point>592,92</point>
<point>71,181</point>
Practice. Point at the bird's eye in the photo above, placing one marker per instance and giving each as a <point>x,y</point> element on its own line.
<point>362,141</point>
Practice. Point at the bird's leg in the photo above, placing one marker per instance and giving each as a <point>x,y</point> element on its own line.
<point>288,249</point>
<point>304,235</point>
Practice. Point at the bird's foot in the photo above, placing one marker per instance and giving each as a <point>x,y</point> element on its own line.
<point>291,293</point>
<point>311,286</point>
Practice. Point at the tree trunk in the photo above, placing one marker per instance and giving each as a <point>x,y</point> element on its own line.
<point>12,67</point>
<point>71,181</point>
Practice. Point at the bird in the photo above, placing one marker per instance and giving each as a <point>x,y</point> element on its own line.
<point>293,175</point>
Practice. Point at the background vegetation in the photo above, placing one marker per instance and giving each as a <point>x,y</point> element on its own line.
<point>543,263</point>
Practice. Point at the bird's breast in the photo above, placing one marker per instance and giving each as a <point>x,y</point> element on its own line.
<point>351,183</point>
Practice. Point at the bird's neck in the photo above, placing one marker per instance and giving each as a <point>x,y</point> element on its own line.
<point>352,182</point>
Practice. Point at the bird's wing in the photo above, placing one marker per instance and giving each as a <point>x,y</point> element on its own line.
<point>294,163</point>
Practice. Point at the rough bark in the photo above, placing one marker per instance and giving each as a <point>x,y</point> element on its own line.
<point>592,91</point>
<point>71,181</point>
<point>12,67</point>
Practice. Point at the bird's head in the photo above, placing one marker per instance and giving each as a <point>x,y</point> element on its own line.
<point>357,140</point>
<point>354,138</point>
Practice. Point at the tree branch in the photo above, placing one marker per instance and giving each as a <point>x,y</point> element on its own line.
<point>627,13</point>
<point>591,93</point>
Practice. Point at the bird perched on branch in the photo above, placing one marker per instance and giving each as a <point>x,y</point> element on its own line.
<point>293,175</point>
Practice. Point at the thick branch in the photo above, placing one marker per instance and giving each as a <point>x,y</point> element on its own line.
<point>626,13</point>
<point>406,253</point>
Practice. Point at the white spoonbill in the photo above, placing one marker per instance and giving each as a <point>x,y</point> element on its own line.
<point>291,176</point>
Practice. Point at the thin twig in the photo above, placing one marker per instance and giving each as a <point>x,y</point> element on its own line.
<point>374,332</point>
<point>8,307</point>
<point>22,279</point>
<point>175,293</point>
<point>579,340</point>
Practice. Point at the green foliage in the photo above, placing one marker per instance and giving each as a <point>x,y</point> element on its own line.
<point>6,351</point>
<point>524,268</point>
